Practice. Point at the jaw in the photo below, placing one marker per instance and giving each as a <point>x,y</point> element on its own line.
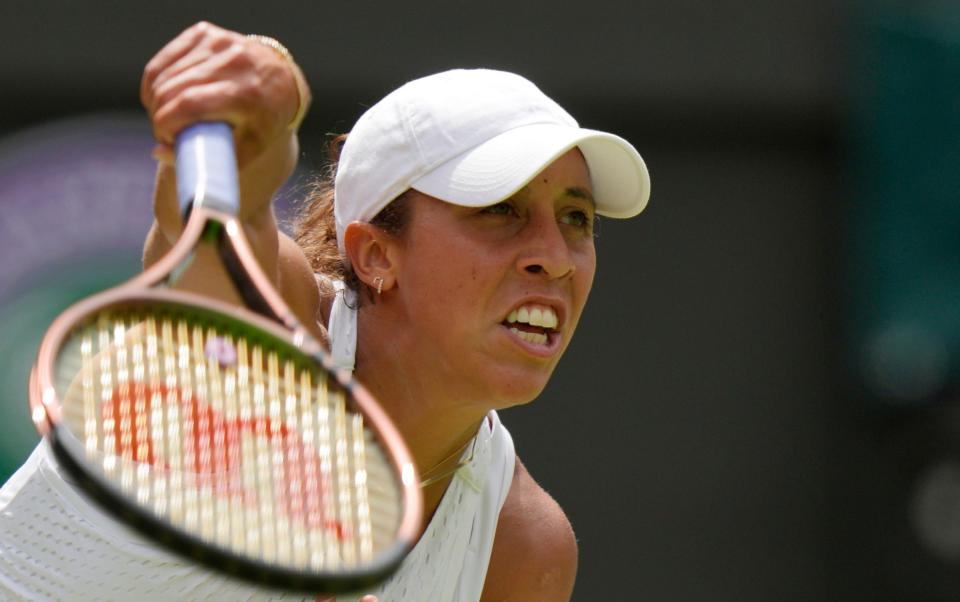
<point>518,370</point>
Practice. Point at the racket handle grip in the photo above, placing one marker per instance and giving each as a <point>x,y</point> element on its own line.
<point>207,168</point>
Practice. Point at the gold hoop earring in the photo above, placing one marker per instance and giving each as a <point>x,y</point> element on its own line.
<point>379,282</point>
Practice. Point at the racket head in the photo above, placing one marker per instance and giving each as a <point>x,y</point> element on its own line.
<point>121,373</point>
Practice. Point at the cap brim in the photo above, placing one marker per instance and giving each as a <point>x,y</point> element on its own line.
<point>501,166</point>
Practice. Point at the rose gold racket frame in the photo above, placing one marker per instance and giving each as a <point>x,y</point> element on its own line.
<point>149,287</point>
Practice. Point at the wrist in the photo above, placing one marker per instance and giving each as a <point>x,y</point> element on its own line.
<point>263,176</point>
<point>300,80</point>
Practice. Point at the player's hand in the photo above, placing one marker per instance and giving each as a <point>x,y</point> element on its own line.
<point>208,73</point>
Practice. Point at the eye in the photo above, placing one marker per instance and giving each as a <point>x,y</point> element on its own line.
<point>503,208</point>
<point>577,218</point>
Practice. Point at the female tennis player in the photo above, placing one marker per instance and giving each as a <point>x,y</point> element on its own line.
<point>446,260</point>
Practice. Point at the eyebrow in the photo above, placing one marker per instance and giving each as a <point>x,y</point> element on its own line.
<point>578,192</point>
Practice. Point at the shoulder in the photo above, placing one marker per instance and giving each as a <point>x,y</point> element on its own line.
<point>298,286</point>
<point>534,551</point>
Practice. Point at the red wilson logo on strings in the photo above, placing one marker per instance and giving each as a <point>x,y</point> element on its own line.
<point>212,451</point>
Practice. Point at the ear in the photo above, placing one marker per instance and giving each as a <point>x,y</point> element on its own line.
<point>372,253</point>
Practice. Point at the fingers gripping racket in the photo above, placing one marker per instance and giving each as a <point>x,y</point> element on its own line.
<point>220,431</point>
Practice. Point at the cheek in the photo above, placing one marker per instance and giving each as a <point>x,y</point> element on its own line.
<point>586,270</point>
<point>451,281</point>
<point>583,279</point>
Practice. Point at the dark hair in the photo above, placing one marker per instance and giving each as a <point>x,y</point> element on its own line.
<point>315,229</point>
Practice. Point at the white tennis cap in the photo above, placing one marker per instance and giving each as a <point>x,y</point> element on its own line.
<point>473,138</point>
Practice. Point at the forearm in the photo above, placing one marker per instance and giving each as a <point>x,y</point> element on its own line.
<point>260,178</point>
<point>277,254</point>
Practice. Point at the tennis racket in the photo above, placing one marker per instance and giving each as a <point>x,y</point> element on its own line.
<point>221,431</point>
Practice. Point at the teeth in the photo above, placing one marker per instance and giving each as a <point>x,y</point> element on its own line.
<point>531,337</point>
<point>543,317</point>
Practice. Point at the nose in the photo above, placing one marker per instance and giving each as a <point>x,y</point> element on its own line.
<point>546,251</point>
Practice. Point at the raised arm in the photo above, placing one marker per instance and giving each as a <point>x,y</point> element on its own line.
<point>211,74</point>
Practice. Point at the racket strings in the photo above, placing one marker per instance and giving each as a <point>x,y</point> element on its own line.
<point>231,440</point>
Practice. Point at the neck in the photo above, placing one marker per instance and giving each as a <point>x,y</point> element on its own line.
<point>434,426</point>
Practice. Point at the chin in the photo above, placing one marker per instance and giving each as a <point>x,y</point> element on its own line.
<point>521,392</point>
<point>506,384</point>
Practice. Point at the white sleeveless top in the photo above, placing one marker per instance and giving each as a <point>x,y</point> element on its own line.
<point>57,545</point>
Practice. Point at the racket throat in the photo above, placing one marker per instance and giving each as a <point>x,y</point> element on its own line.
<point>214,269</point>
<point>203,270</point>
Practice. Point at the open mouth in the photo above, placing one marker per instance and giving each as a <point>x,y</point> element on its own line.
<point>535,324</point>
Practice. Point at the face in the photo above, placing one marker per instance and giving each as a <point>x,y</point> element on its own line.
<point>490,297</point>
